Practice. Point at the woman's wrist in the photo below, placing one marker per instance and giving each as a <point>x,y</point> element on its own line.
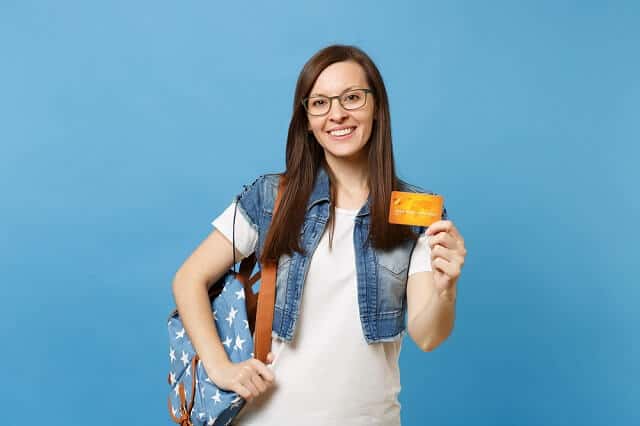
<point>213,367</point>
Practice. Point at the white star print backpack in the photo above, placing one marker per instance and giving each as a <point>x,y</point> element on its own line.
<point>194,399</point>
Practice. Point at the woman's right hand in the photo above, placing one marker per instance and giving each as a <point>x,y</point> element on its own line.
<point>248,378</point>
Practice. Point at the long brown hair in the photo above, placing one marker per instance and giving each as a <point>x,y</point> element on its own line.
<point>304,156</point>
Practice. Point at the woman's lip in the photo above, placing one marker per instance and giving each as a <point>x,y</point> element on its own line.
<point>342,128</point>
<point>347,136</point>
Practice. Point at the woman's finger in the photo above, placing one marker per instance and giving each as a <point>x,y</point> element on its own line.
<point>263,370</point>
<point>445,253</point>
<point>244,378</point>
<point>450,269</point>
<point>442,238</point>
<point>248,383</point>
<point>258,383</point>
<point>241,390</point>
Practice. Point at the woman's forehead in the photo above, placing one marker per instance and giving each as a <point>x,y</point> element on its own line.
<point>338,77</point>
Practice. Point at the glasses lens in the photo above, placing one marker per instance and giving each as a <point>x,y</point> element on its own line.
<point>353,99</point>
<point>318,105</point>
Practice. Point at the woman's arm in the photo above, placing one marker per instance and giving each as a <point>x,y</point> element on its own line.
<point>430,315</point>
<point>205,266</point>
<point>431,295</point>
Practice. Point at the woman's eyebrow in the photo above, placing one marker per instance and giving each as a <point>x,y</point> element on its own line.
<point>356,86</point>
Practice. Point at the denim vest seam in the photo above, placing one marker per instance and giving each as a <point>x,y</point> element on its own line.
<point>306,261</point>
<point>244,213</point>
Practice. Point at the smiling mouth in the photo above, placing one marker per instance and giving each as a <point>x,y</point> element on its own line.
<point>342,132</point>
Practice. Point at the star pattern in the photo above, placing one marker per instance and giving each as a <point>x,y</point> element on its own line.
<point>232,315</point>
<point>236,402</point>
<point>184,358</point>
<point>240,294</point>
<point>214,406</point>
<point>239,343</point>
<point>227,342</point>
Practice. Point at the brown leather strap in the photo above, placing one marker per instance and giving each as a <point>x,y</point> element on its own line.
<point>266,298</point>
<point>185,410</point>
<point>262,304</point>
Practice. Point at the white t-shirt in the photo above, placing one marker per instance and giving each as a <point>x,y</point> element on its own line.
<point>328,374</point>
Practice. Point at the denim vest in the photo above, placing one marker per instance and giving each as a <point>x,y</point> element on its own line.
<point>381,274</point>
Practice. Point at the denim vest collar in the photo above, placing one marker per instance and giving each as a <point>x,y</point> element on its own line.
<point>321,192</point>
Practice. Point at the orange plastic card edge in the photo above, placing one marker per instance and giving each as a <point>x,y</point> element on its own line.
<point>409,208</point>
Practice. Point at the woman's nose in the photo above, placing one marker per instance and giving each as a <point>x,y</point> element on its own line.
<point>336,112</point>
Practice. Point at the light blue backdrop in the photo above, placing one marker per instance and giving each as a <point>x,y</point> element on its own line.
<point>126,127</point>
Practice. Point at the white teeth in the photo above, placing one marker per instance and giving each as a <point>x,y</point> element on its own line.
<point>342,132</point>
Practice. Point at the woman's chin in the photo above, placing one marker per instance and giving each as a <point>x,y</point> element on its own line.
<point>346,153</point>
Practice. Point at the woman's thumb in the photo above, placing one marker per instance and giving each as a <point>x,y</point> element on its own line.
<point>269,357</point>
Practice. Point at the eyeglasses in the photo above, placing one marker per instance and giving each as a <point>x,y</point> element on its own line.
<point>349,100</point>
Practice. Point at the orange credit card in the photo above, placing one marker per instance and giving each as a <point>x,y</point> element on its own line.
<point>410,208</point>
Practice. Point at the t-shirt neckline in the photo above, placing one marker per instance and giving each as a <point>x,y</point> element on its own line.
<point>350,212</point>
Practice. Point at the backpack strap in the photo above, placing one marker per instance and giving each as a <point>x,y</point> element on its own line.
<point>259,306</point>
<point>266,298</point>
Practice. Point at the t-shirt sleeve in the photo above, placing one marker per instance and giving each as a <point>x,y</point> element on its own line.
<point>421,256</point>
<point>246,237</point>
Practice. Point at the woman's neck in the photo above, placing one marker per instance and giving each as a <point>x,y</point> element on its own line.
<point>352,181</point>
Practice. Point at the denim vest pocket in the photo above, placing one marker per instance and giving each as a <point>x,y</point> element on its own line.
<point>393,261</point>
<point>392,277</point>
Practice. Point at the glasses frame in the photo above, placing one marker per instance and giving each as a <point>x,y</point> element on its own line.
<point>338,97</point>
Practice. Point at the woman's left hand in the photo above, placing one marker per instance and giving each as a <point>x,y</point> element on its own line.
<point>447,254</point>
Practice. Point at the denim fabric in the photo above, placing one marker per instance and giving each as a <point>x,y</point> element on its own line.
<point>212,406</point>
<point>381,274</point>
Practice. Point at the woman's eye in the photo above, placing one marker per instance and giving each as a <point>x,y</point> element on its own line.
<point>353,97</point>
<point>318,102</point>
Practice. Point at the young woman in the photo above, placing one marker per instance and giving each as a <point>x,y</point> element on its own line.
<point>335,345</point>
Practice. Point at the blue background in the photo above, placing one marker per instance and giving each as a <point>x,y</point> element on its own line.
<point>126,127</point>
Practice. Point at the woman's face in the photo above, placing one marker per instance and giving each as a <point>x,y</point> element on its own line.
<point>333,81</point>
